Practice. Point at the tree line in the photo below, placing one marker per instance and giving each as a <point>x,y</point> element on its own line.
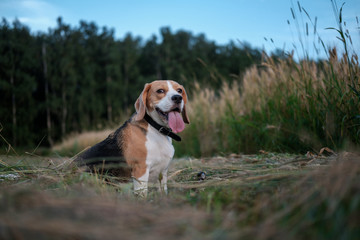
<point>73,79</point>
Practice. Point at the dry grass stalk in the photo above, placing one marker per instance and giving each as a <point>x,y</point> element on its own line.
<point>83,140</point>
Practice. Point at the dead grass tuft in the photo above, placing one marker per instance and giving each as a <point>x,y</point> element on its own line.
<point>77,142</point>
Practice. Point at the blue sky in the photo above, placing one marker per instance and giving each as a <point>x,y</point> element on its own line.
<point>221,20</point>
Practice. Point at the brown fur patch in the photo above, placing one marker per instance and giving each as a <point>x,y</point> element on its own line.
<point>134,149</point>
<point>153,97</point>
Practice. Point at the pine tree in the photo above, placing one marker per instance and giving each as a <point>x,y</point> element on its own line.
<point>17,77</point>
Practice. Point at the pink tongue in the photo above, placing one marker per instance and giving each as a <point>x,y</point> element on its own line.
<point>176,122</point>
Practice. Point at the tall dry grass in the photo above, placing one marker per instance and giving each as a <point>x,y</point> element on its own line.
<point>206,110</point>
<point>282,105</point>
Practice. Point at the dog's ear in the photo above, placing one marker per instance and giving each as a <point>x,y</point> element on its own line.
<point>183,113</point>
<point>140,104</point>
<point>185,116</point>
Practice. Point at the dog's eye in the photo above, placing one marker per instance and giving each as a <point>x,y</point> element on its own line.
<point>179,90</point>
<point>160,91</point>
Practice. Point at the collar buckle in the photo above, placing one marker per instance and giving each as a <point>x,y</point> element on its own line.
<point>164,130</point>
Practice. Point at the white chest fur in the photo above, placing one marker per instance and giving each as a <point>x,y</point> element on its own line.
<point>160,151</point>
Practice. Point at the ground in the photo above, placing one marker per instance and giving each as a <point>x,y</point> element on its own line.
<point>261,196</point>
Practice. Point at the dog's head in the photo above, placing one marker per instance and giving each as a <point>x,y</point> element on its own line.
<point>164,101</point>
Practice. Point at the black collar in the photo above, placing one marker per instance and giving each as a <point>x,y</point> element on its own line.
<point>163,130</point>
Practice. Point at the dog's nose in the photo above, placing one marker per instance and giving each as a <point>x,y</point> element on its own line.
<point>176,98</point>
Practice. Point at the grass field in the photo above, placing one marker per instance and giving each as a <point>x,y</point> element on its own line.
<point>264,196</point>
<point>283,105</point>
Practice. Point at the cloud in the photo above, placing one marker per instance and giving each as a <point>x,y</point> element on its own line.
<point>35,5</point>
<point>38,21</point>
<point>39,15</point>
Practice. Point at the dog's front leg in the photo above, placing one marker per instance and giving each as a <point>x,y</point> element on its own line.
<point>163,181</point>
<point>141,184</point>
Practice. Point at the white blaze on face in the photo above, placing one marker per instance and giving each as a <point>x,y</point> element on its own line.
<point>173,92</point>
<point>166,104</point>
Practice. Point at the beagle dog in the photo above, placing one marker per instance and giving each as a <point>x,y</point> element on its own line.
<point>142,147</point>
